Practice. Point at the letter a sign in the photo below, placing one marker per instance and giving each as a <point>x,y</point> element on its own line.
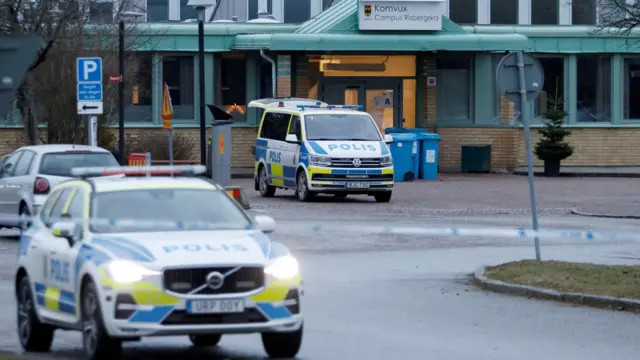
<point>167,108</point>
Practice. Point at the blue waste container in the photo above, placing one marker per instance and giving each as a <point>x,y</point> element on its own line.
<point>405,150</point>
<point>429,153</point>
<point>429,148</point>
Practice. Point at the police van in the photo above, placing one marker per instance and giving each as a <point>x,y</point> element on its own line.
<point>314,148</point>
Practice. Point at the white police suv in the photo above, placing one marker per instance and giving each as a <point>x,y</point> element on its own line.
<point>124,257</point>
<point>314,148</point>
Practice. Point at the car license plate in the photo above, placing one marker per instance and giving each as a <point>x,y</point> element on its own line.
<point>357,185</point>
<point>221,306</point>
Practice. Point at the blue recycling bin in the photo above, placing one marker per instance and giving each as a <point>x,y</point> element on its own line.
<point>405,150</point>
<point>429,149</point>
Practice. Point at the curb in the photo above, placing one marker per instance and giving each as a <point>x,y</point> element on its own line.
<point>591,174</point>
<point>582,213</point>
<point>481,281</point>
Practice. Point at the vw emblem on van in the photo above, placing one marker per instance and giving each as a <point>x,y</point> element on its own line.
<point>356,162</point>
<point>215,280</point>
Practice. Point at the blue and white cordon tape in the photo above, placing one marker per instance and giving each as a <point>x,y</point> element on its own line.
<point>495,232</point>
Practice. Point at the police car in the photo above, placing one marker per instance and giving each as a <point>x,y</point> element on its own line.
<point>191,262</point>
<point>314,147</point>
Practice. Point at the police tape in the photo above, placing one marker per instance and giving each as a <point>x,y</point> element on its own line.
<point>341,230</point>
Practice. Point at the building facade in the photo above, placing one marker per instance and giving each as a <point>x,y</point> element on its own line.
<point>441,76</point>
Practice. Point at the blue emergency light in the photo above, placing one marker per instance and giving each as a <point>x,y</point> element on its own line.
<point>318,106</point>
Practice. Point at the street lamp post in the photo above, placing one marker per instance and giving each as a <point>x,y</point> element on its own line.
<point>121,60</point>
<point>201,6</point>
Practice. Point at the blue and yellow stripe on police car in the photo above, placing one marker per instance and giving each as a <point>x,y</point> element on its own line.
<point>55,299</point>
<point>271,300</point>
<point>282,175</point>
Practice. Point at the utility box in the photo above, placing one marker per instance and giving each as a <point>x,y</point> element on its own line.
<point>475,158</point>
<point>219,159</point>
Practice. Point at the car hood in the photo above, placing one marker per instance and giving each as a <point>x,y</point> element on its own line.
<point>179,248</point>
<point>342,148</point>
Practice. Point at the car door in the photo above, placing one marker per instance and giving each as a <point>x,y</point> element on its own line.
<point>23,180</point>
<point>8,190</point>
<point>58,262</point>
<point>291,153</point>
<point>278,124</point>
<point>34,244</point>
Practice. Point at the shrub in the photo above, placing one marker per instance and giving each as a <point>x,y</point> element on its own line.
<point>157,143</point>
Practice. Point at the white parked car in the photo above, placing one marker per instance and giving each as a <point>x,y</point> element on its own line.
<point>28,174</point>
<point>191,262</point>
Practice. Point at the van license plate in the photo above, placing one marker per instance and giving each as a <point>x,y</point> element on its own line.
<point>357,185</point>
<point>222,306</point>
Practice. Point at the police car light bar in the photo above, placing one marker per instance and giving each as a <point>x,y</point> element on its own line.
<point>318,106</point>
<point>184,170</point>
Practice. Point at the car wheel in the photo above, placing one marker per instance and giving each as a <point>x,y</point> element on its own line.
<point>34,335</point>
<point>383,197</point>
<point>282,345</point>
<point>22,214</point>
<point>302,188</point>
<point>265,189</point>
<point>208,340</point>
<point>97,343</point>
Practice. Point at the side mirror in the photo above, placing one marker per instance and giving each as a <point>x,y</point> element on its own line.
<point>388,138</point>
<point>65,229</point>
<point>292,138</point>
<point>266,224</point>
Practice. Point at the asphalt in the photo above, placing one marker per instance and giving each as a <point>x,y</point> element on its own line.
<point>410,297</point>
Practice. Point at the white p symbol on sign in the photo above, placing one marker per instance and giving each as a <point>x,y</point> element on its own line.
<point>89,67</point>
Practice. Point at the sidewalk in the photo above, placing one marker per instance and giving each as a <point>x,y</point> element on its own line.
<point>622,211</point>
<point>587,171</point>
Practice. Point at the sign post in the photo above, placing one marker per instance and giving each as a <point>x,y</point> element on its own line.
<point>520,78</point>
<point>89,93</point>
<point>167,116</point>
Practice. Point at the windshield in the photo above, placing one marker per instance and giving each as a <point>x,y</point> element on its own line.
<point>169,209</point>
<point>341,127</point>
<point>60,164</point>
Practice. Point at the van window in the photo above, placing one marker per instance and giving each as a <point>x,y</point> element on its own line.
<point>274,126</point>
<point>295,128</point>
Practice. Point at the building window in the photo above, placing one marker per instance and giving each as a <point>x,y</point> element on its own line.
<point>138,80</point>
<point>583,12</point>
<point>157,10</point>
<point>552,93</point>
<point>454,87</point>
<point>632,88</point>
<point>253,8</point>
<point>504,12</point>
<point>328,3</point>
<point>101,12</point>
<point>594,88</point>
<point>233,85</point>
<point>544,12</point>
<point>463,11</point>
<point>612,12</point>
<point>187,12</point>
<point>178,73</point>
<point>297,11</point>
<point>266,79</point>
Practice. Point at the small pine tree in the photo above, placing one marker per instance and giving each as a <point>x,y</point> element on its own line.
<point>552,144</point>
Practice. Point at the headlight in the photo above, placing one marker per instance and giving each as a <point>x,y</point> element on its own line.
<point>282,268</point>
<point>386,161</point>
<point>124,271</point>
<point>319,160</point>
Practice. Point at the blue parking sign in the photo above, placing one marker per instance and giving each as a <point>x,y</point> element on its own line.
<point>89,70</point>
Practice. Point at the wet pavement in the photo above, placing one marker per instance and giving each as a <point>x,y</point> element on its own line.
<point>409,297</point>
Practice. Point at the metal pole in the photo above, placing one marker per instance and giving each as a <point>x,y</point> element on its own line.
<point>203,129</point>
<point>121,95</point>
<point>527,143</point>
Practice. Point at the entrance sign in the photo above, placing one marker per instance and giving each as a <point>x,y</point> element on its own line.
<point>401,15</point>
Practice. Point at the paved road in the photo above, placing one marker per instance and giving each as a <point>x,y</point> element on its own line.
<point>407,297</point>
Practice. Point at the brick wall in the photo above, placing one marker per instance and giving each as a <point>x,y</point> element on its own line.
<point>430,92</point>
<point>283,79</point>
<point>243,139</point>
<point>502,141</point>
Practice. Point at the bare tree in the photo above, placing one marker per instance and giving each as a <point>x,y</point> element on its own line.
<point>617,16</point>
<point>69,29</point>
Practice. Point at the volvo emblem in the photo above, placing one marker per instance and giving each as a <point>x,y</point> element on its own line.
<point>215,280</point>
<point>356,162</point>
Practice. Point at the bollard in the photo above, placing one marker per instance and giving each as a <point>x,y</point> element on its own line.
<point>219,159</point>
